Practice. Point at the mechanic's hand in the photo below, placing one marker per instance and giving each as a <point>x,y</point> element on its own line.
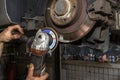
<point>31,77</point>
<point>6,35</point>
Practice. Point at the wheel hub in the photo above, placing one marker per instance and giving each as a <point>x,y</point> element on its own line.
<point>63,12</point>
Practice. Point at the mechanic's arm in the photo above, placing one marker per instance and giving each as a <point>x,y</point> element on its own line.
<point>31,77</point>
<point>6,35</point>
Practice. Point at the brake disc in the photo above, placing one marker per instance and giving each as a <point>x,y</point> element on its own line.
<point>69,18</point>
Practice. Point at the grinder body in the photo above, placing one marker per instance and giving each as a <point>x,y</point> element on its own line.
<point>45,41</point>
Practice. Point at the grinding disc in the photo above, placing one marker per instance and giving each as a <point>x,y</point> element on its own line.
<point>54,37</point>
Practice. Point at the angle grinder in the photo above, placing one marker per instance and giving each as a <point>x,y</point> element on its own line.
<point>45,41</point>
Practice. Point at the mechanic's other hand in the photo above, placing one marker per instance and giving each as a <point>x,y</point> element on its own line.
<point>31,77</point>
<point>7,35</point>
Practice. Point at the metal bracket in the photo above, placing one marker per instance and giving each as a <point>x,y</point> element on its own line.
<point>101,10</point>
<point>99,39</point>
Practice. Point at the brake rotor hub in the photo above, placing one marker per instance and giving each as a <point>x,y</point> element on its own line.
<point>63,11</point>
<point>61,7</point>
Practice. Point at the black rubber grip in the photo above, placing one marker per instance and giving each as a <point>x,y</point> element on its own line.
<point>39,65</point>
<point>15,32</point>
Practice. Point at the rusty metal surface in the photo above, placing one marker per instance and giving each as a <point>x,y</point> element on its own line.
<point>76,26</point>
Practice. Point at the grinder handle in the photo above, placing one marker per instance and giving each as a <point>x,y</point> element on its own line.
<point>39,65</point>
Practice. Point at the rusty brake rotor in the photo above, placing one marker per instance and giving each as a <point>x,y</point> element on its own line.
<point>69,18</point>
